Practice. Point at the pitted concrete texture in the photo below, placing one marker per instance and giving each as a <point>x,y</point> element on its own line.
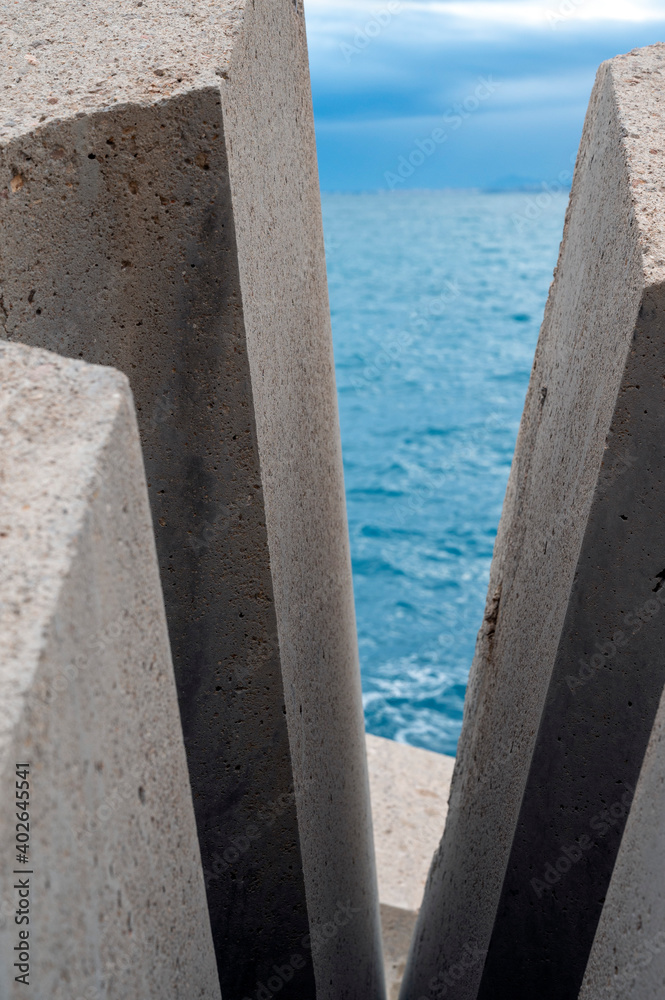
<point>627,960</point>
<point>116,900</point>
<point>176,234</point>
<point>565,683</point>
<point>409,790</point>
<point>76,58</point>
<point>281,257</point>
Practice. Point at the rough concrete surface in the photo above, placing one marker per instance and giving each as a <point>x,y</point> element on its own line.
<point>281,258</point>
<point>409,791</point>
<point>117,904</point>
<point>580,546</point>
<point>169,225</point>
<point>627,961</point>
<point>77,58</point>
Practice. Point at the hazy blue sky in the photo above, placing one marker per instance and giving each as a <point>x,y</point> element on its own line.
<point>505,82</point>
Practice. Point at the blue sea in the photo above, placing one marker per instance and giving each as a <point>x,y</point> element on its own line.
<point>437,299</point>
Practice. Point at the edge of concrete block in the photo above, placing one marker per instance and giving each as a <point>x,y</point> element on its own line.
<point>608,258</point>
<point>117,899</point>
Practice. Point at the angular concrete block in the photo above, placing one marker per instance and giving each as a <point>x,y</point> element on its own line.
<point>627,960</point>
<point>568,671</point>
<point>409,790</point>
<point>159,212</point>
<point>103,877</point>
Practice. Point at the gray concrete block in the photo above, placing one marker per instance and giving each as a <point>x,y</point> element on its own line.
<point>111,894</point>
<point>627,961</point>
<point>566,682</point>
<point>409,789</point>
<point>159,212</point>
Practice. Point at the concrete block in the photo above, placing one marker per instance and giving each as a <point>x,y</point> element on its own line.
<point>159,212</point>
<point>103,879</point>
<point>409,791</point>
<point>568,670</point>
<point>627,961</point>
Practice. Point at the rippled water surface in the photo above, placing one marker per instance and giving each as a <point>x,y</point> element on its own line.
<point>437,299</point>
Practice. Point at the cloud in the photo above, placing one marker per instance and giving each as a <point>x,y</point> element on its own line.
<point>536,14</point>
<point>383,69</point>
<point>558,89</point>
<point>516,13</point>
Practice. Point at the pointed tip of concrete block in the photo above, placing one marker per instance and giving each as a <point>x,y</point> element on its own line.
<point>638,81</point>
<point>114,890</point>
<point>175,215</point>
<point>579,546</point>
<point>57,415</point>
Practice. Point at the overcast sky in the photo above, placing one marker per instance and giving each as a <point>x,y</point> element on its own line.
<point>466,93</point>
